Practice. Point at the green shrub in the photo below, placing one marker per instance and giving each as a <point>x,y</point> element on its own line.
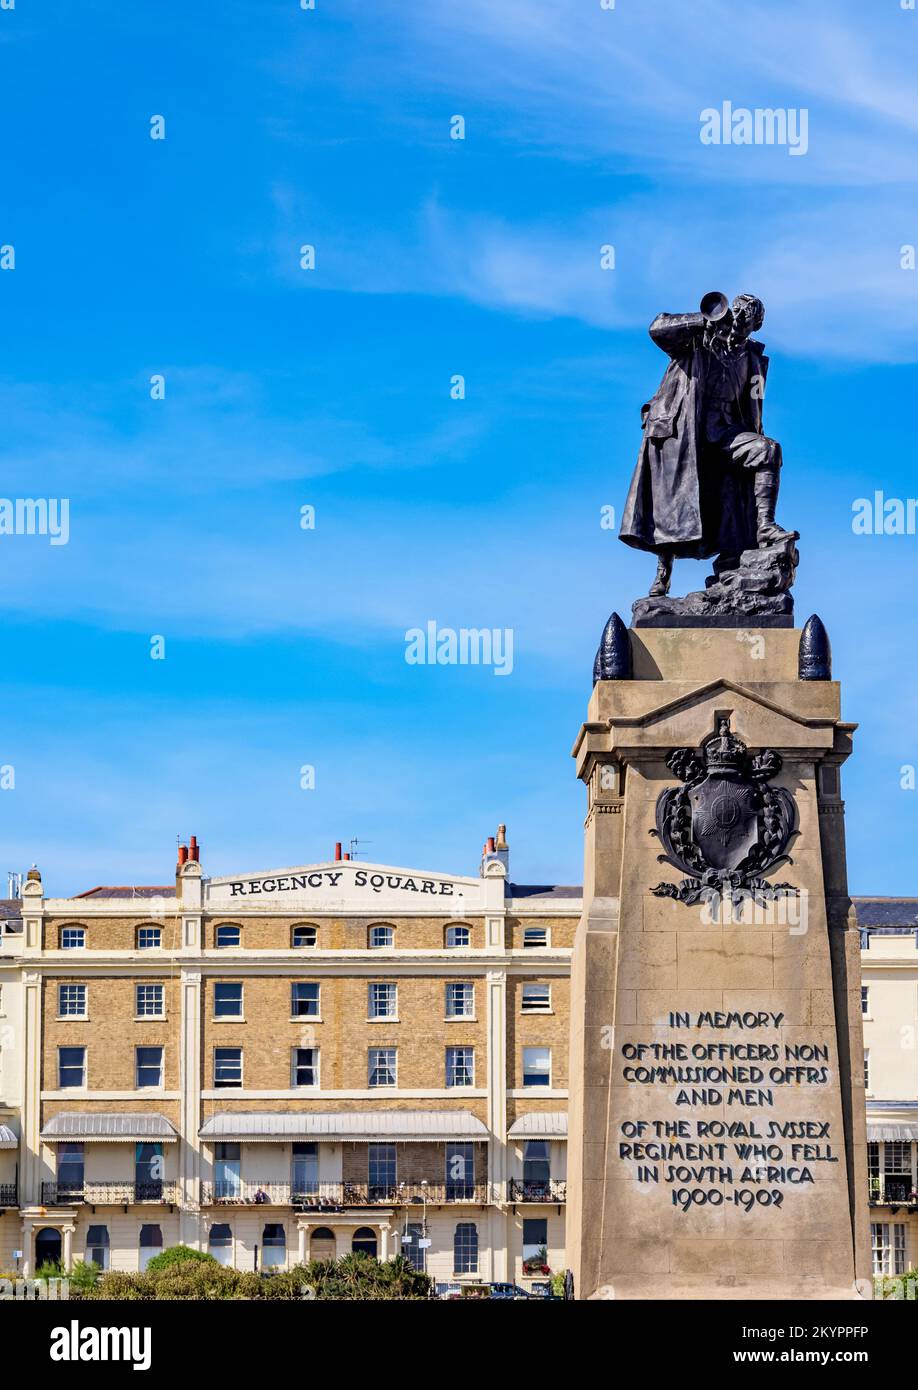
<point>116,1285</point>
<point>352,1277</point>
<point>178,1254</point>
<point>84,1276</point>
<point>896,1287</point>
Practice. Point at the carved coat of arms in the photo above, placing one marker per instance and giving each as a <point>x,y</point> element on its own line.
<point>726,824</point>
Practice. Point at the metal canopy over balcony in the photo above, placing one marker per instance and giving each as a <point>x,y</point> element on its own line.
<point>352,1127</point>
<point>540,1124</point>
<point>879,1133</point>
<point>118,1128</point>
<point>8,1139</point>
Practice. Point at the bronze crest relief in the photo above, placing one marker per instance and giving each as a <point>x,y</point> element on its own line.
<point>726,825</point>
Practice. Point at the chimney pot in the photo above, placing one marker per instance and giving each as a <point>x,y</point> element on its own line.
<point>346,855</point>
<point>183,854</point>
<point>337,849</point>
<point>489,845</point>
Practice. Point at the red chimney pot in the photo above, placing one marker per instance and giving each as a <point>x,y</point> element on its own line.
<point>337,849</point>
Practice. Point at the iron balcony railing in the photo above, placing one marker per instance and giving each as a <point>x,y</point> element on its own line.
<point>889,1190</point>
<point>551,1190</point>
<point>332,1196</point>
<point>8,1196</point>
<point>111,1194</point>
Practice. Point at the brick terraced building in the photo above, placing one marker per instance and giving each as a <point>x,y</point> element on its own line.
<point>293,1064</point>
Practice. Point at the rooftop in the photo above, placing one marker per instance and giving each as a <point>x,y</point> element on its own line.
<point>129,891</point>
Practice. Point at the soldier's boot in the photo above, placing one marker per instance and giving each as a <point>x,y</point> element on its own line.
<point>767,531</point>
<point>660,586</point>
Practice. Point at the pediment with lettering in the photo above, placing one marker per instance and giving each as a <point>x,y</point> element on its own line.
<point>348,885</point>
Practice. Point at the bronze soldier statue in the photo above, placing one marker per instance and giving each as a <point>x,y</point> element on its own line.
<point>706,481</point>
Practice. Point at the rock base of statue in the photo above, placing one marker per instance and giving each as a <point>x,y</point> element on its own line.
<point>753,588</point>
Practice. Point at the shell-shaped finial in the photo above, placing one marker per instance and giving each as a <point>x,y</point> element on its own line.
<point>613,657</point>
<point>814,661</point>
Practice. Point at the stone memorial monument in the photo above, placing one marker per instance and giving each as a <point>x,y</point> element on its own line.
<point>717,1116</point>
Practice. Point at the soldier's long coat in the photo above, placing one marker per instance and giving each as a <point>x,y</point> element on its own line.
<point>673,502</point>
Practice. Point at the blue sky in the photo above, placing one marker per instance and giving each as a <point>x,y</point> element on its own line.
<point>331,388</point>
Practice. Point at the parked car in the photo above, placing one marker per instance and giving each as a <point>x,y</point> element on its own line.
<point>507,1291</point>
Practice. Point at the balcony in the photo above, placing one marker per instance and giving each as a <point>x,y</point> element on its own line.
<point>108,1194</point>
<point>893,1191</point>
<point>339,1196</point>
<point>8,1197</point>
<point>551,1190</point>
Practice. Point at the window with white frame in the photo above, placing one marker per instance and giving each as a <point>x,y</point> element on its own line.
<point>227,1171</point>
<point>534,937</point>
<point>381,1170</point>
<point>380,937</point>
<point>273,1246</point>
<point>149,938</point>
<point>71,1001</point>
<point>537,1164</point>
<point>865,1000</point>
<point>460,1066</point>
<point>898,1170</point>
<point>149,1068</point>
<point>98,1246</point>
<point>305,936</point>
<point>460,1172</point>
<point>73,938</point>
<point>889,1243</point>
<point>220,1243</point>
<point>458,937</point>
<point>70,1169</point>
<point>227,1067</point>
<point>149,1001</point>
<point>227,999</point>
<point>382,1067</point>
<point>866,1069</point>
<point>460,999</point>
<point>228,934</point>
<point>465,1248</point>
<point>536,1066</point>
<point>305,1170</point>
<point>536,999</point>
<point>305,1066</point>
<point>304,999</point>
<point>382,999</point>
<point>411,1248</point>
<point>535,1244</point>
<point>71,1068</point>
<point>151,1244</point>
<point>873,1167</point>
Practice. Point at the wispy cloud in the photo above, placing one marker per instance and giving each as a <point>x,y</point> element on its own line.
<point>619,92</point>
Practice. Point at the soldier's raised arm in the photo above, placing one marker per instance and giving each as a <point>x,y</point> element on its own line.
<point>674,333</point>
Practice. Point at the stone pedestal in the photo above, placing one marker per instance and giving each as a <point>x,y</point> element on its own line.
<point>737,1170</point>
